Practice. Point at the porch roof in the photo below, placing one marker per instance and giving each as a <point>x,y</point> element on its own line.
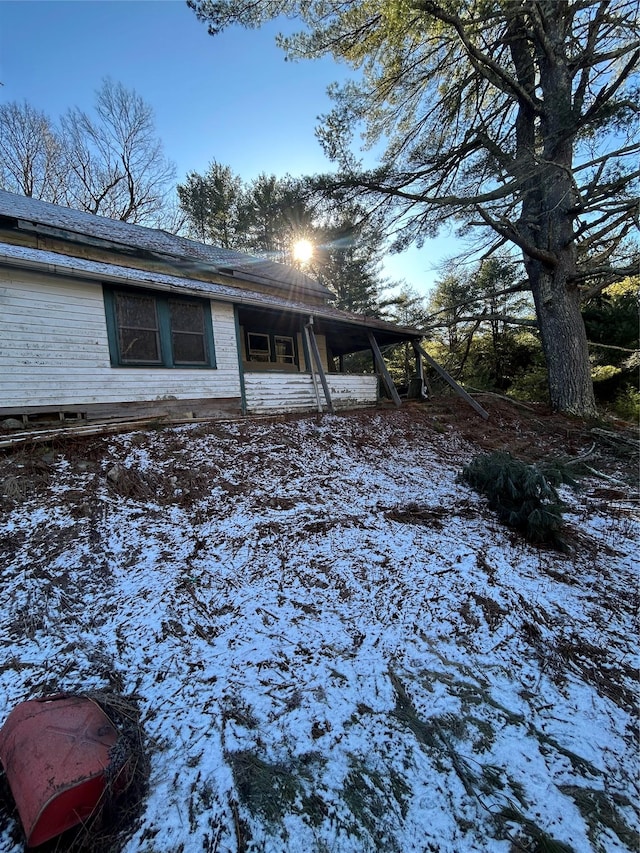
<point>348,331</point>
<point>345,332</point>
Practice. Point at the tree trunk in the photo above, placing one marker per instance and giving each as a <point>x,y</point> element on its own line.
<point>544,160</point>
<point>564,341</point>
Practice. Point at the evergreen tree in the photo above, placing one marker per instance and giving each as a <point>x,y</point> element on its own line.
<point>269,215</point>
<point>211,203</point>
<point>274,214</point>
<point>502,305</point>
<point>195,201</point>
<point>406,308</point>
<point>474,315</point>
<point>452,306</point>
<point>348,261</point>
<point>612,319</point>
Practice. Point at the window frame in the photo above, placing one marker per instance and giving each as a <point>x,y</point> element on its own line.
<point>273,359</point>
<point>283,360</point>
<point>251,351</point>
<point>165,331</point>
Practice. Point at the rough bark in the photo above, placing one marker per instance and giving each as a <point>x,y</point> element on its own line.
<point>545,147</point>
<point>564,341</point>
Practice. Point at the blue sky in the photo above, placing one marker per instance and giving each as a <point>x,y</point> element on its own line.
<point>232,97</point>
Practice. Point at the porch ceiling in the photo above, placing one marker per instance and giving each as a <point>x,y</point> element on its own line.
<point>344,334</point>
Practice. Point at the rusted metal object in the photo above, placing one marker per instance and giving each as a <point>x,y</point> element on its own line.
<point>56,755</point>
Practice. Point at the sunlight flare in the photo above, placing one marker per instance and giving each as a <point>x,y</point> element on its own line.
<point>302,251</point>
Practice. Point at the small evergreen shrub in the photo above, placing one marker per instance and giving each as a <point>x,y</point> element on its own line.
<point>627,405</point>
<point>524,496</point>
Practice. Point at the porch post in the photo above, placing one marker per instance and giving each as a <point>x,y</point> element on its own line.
<point>382,367</point>
<point>243,390</point>
<point>307,341</point>
<point>456,387</point>
<point>425,388</point>
<point>316,357</point>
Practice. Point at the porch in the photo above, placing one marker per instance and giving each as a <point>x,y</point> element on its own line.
<point>294,361</point>
<point>268,393</point>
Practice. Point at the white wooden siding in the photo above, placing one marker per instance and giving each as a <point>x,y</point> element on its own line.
<point>321,340</point>
<point>352,389</point>
<point>54,350</point>
<point>322,349</point>
<point>301,358</point>
<point>270,392</point>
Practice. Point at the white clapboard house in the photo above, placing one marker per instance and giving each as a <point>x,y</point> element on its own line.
<point>100,319</point>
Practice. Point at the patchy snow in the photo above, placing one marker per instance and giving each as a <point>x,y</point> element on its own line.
<point>334,644</point>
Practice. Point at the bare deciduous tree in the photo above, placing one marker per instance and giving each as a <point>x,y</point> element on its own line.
<point>110,163</point>
<point>30,153</point>
<point>116,164</point>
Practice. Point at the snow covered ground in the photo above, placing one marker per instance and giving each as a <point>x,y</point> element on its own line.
<point>333,643</point>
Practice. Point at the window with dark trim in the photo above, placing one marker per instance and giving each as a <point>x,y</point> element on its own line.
<point>277,349</point>
<point>285,350</point>
<point>258,346</point>
<point>147,329</point>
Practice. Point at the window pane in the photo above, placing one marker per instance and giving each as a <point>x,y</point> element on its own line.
<point>188,348</point>
<point>139,345</point>
<point>187,332</point>
<point>138,328</point>
<point>259,347</point>
<point>186,317</point>
<point>284,350</point>
<point>136,311</point>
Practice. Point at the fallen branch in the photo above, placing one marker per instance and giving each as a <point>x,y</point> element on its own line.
<point>502,397</point>
<point>606,477</point>
<point>624,446</point>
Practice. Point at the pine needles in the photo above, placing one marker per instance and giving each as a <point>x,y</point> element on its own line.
<point>525,497</point>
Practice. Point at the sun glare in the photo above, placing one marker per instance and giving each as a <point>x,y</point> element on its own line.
<point>302,251</point>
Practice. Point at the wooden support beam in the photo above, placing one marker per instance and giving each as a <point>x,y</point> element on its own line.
<point>243,390</point>
<point>382,367</point>
<point>425,388</point>
<point>315,352</point>
<point>456,387</point>
<point>309,361</point>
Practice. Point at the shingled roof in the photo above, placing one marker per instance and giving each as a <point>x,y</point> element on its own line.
<point>47,219</point>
